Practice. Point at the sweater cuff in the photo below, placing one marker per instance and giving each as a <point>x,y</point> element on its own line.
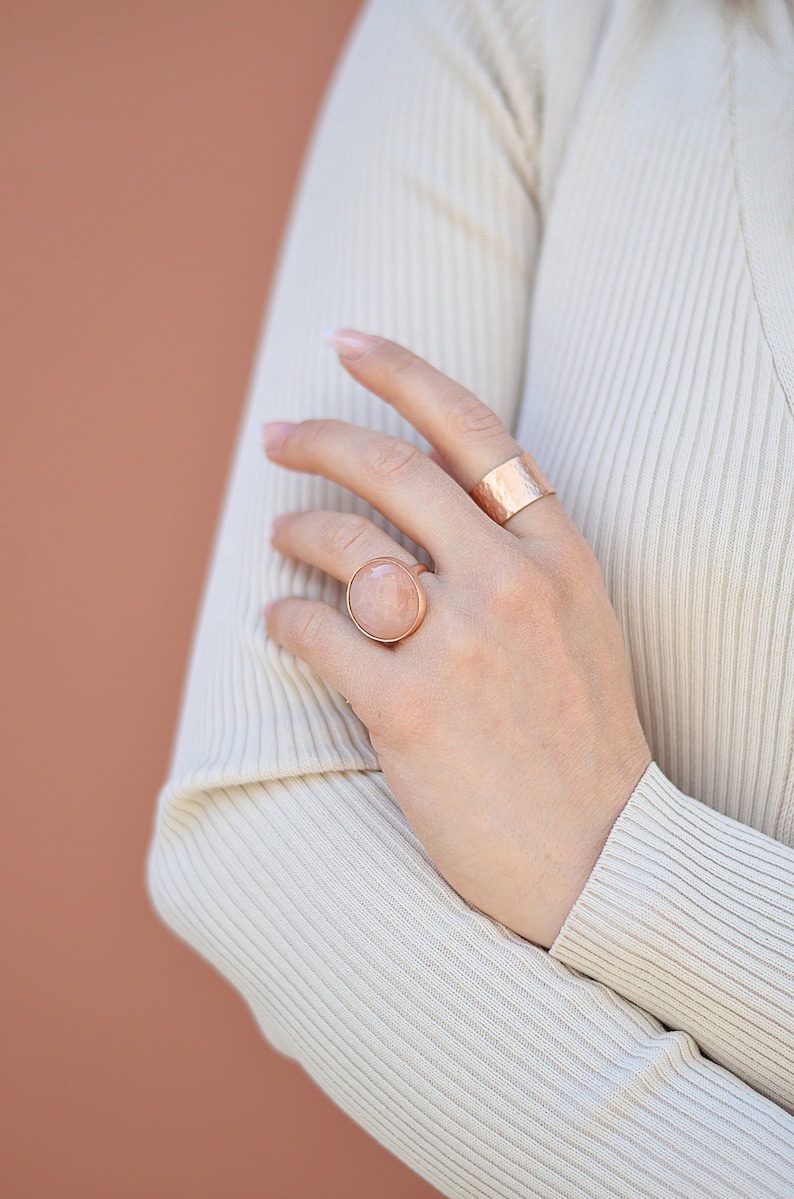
<point>689,914</point>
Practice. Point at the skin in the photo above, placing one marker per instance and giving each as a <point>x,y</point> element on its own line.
<point>506,724</point>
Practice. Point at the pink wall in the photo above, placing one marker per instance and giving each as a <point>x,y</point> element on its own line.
<point>149,149</point>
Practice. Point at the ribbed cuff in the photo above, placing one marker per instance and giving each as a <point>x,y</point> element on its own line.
<point>690,915</point>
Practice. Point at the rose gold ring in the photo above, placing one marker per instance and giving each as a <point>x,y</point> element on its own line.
<point>386,600</point>
<point>510,487</point>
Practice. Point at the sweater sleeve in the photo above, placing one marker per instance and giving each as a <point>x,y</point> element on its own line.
<point>279,852</point>
<point>691,915</point>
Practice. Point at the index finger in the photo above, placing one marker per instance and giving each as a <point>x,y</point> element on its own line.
<point>466,432</point>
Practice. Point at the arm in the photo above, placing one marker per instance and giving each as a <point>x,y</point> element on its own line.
<point>691,915</point>
<point>482,1063</point>
<point>279,852</point>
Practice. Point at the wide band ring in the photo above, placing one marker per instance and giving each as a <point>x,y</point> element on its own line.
<point>510,487</point>
<point>386,600</point>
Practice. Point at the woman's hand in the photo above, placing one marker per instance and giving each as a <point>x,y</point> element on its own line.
<point>505,724</point>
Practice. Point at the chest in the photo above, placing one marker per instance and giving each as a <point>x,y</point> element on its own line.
<point>658,387</point>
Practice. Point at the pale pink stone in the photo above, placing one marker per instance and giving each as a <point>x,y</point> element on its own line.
<point>384,600</point>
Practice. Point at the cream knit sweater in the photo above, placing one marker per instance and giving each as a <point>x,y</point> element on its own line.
<point>584,211</point>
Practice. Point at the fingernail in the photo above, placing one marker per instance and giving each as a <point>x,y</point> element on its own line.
<point>349,343</point>
<point>272,435</point>
<point>278,521</point>
<point>269,606</point>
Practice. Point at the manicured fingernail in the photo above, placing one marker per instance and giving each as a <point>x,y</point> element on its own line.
<point>349,343</point>
<point>272,435</point>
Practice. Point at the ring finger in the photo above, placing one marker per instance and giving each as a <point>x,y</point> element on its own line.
<point>336,543</point>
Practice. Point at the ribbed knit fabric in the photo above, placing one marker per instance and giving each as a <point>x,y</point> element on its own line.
<point>680,889</point>
<point>583,213</point>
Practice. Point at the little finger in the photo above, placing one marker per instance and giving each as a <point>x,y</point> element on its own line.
<point>330,643</point>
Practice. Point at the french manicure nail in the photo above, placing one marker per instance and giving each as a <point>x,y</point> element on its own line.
<point>349,343</point>
<point>272,435</point>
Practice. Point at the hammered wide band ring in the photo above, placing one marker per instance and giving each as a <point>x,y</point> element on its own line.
<point>510,487</point>
<point>386,600</point>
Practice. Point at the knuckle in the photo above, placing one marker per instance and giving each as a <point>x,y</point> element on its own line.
<point>512,578</point>
<point>464,637</point>
<point>342,536</point>
<point>401,360</point>
<point>391,460</point>
<point>566,575</point>
<point>469,417</point>
<point>572,564</point>
<point>310,432</point>
<point>307,626</point>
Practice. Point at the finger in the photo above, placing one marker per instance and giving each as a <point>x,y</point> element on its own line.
<point>336,543</point>
<point>395,477</point>
<point>330,643</point>
<point>434,456</point>
<point>469,435</point>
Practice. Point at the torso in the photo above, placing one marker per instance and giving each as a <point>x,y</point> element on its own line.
<point>658,391</point>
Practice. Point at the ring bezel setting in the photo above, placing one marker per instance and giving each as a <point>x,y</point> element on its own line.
<point>403,599</point>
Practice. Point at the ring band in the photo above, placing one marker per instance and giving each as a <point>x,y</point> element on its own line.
<point>385,599</point>
<point>510,487</point>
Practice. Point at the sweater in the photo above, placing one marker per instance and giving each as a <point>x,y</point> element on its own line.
<point>583,213</point>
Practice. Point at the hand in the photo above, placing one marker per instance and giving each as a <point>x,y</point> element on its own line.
<point>505,725</point>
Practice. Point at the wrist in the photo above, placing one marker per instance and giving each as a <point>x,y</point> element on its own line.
<point>574,870</point>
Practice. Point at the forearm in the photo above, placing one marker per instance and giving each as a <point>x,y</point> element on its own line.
<point>482,1063</point>
<point>691,916</point>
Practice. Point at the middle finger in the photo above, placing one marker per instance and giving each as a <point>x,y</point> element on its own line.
<point>396,478</point>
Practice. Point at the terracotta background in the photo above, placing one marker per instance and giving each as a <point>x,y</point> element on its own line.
<point>149,149</point>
